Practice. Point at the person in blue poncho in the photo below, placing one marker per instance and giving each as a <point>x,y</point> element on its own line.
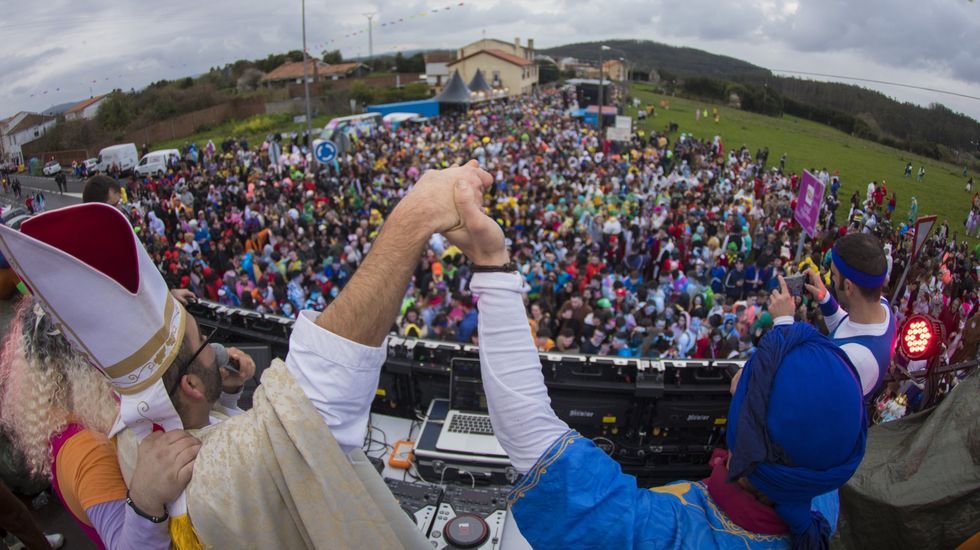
<point>797,432</point>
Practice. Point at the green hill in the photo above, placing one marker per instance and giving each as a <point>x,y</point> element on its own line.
<point>809,145</point>
<point>647,54</point>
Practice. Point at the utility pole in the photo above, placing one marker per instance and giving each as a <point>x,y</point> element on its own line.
<point>626,81</point>
<point>306,89</point>
<point>602,84</point>
<point>370,17</point>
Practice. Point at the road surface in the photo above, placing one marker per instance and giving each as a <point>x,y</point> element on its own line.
<point>52,198</point>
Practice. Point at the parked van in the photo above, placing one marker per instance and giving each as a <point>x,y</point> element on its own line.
<point>157,162</point>
<point>124,157</point>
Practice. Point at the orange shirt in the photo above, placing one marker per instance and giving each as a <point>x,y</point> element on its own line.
<point>88,473</point>
<point>257,243</point>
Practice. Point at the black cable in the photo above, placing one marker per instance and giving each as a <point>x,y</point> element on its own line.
<point>877,82</point>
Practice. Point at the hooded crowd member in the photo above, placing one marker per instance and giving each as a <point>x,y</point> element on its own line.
<point>858,318</point>
<point>274,476</point>
<point>797,432</point>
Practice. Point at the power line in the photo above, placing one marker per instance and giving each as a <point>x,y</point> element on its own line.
<point>938,91</point>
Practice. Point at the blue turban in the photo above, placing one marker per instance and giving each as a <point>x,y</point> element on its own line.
<point>797,426</point>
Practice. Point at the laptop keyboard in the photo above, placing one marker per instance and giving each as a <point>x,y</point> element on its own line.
<point>470,424</point>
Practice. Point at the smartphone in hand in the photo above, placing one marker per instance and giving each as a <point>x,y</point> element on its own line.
<point>795,284</point>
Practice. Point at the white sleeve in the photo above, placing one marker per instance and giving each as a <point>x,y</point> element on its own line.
<point>865,363</point>
<point>832,313</point>
<point>339,377</point>
<point>520,409</point>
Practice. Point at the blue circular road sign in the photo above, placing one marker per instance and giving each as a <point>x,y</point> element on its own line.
<point>325,151</point>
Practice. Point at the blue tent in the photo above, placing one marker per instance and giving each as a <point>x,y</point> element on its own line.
<point>423,107</point>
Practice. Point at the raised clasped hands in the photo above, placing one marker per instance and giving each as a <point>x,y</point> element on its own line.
<point>431,201</point>
<point>476,234</point>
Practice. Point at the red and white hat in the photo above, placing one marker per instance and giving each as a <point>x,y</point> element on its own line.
<point>90,273</point>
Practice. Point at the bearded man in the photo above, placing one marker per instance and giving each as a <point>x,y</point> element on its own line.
<point>274,476</point>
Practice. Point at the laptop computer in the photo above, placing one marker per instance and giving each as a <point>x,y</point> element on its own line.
<point>467,427</point>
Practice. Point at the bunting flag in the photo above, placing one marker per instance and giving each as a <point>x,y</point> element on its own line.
<point>334,42</point>
<point>318,46</point>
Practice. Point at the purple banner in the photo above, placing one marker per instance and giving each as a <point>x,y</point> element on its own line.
<point>807,212</point>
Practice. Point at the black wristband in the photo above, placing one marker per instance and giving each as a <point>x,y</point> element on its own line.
<point>144,515</point>
<point>509,267</point>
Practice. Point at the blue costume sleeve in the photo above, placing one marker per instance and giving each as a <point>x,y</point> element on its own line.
<point>577,497</point>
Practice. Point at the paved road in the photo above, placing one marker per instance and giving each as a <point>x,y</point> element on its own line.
<point>53,199</point>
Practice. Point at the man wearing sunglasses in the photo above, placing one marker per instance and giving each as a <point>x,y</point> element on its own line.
<point>274,476</point>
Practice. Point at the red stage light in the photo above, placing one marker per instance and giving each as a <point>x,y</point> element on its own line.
<point>921,337</point>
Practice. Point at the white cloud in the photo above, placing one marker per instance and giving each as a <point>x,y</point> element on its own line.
<point>135,43</point>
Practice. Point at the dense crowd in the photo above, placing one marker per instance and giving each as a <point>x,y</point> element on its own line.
<point>666,245</point>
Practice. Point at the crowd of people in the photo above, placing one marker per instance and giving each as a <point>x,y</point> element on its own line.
<point>665,245</point>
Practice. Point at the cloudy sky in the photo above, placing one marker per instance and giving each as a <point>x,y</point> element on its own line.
<point>53,50</point>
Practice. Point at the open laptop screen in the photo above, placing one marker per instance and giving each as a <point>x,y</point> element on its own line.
<point>466,387</point>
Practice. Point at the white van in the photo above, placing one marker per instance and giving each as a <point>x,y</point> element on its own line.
<point>122,156</point>
<point>157,162</point>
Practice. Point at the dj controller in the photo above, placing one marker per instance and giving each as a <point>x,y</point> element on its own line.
<point>454,517</point>
<point>660,419</point>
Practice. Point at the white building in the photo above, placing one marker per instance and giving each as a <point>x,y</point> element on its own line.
<point>85,110</point>
<point>437,68</point>
<point>21,129</point>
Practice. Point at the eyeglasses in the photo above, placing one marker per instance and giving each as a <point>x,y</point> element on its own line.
<point>187,365</point>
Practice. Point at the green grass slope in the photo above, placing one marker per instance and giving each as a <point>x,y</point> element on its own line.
<point>809,145</point>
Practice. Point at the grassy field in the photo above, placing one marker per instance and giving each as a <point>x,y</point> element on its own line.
<point>809,145</point>
<point>254,129</point>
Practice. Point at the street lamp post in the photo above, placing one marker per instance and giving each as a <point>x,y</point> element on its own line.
<point>370,18</point>
<point>601,86</point>
<point>306,91</point>
<point>626,81</point>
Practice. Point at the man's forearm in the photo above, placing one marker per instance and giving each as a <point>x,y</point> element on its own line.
<point>367,307</point>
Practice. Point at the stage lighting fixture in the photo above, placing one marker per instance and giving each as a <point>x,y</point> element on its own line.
<point>921,337</point>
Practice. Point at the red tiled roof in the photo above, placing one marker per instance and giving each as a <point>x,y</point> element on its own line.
<point>510,58</point>
<point>29,121</point>
<point>81,105</point>
<point>439,57</point>
<point>293,70</point>
<point>338,69</point>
